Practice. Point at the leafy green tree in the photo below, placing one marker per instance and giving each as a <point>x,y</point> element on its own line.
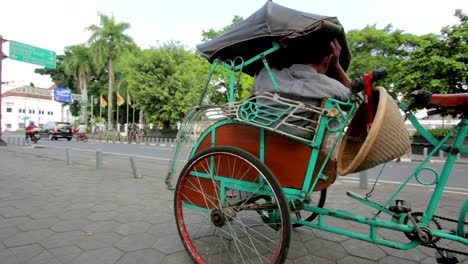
<point>211,33</point>
<point>58,75</point>
<point>78,64</point>
<point>440,63</point>
<point>74,107</point>
<point>217,92</point>
<point>61,79</point>
<point>165,81</point>
<point>108,41</point>
<point>121,85</point>
<point>373,48</point>
<point>98,86</point>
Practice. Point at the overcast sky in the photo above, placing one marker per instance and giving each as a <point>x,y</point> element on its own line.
<point>55,24</point>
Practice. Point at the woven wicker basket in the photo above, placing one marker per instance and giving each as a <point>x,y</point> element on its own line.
<point>386,140</point>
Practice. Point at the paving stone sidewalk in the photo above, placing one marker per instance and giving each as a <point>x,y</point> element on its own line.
<point>51,212</point>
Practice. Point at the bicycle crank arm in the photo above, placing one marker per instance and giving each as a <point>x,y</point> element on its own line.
<point>422,234</point>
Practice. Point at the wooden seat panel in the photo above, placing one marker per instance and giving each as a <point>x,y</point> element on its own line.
<point>288,159</point>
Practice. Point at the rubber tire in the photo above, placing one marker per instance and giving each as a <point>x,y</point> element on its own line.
<point>69,138</point>
<point>283,249</point>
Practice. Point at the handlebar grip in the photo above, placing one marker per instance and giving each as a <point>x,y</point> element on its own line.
<point>358,84</point>
<point>435,112</point>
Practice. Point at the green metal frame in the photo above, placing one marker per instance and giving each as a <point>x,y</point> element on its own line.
<point>375,223</point>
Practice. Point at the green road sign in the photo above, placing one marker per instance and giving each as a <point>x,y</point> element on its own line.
<point>27,53</point>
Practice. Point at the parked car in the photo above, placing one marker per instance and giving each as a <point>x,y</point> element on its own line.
<point>55,130</point>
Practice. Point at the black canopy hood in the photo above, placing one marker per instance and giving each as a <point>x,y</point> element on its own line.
<point>273,22</point>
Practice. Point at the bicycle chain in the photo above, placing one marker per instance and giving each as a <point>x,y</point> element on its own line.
<point>433,245</point>
<point>445,249</point>
<point>448,219</point>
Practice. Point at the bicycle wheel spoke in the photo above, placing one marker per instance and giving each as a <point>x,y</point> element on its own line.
<point>217,202</point>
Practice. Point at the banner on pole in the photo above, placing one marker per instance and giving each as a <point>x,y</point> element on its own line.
<point>120,100</point>
<point>103,102</point>
<point>62,95</point>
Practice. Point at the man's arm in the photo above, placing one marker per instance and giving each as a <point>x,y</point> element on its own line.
<point>335,68</point>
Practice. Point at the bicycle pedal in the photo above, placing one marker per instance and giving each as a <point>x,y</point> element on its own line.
<point>400,206</point>
<point>446,257</point>
<point>296,207</point>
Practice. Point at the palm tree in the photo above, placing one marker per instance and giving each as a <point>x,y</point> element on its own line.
<point>108,42</point>
<point>78,64</point>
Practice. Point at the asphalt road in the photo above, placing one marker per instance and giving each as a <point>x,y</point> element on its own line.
<point>392,172</point>
<point>161,152</point>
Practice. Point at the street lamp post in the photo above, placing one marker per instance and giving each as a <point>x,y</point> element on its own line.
<point>92,105</point>
<point>2,56</point>
<point>93,102</point>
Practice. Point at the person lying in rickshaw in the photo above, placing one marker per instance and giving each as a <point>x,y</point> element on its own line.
<point>306,80</point>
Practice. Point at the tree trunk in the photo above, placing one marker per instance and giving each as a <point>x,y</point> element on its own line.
<point>84,107</point>
<point>110,115</point>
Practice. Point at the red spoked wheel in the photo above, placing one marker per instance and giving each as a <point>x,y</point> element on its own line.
<point>220,198</point>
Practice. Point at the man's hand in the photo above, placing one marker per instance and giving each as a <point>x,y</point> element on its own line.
<point>420,99</point>
<point>336,50</point>
<point>334,67</point>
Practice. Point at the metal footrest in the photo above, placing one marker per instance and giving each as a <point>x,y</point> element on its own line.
<point>400,206</point>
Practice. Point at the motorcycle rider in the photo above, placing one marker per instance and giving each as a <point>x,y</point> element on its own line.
<point>29,130</point>
<point>81,130</point>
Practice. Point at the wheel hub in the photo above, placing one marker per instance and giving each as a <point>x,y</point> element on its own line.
<point>219,217</point>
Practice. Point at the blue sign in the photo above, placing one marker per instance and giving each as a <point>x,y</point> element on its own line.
<point>62,95</point>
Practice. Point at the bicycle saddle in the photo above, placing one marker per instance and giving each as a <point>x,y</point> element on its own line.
<point>448,100</point>
<point>452,104</point>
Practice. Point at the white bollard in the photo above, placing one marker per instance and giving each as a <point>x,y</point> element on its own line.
<point>363,181</point>
<point>98,159</point>
<point>136,173</point>
<point>68,155</point>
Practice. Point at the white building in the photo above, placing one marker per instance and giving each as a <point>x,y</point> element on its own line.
<point>24,104</point>
<point>432,122</point>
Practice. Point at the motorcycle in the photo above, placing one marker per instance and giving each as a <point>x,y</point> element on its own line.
<point>34,135</point>
<point>81,136</point>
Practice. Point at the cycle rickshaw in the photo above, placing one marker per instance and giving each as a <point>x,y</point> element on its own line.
<point>242,177</point>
